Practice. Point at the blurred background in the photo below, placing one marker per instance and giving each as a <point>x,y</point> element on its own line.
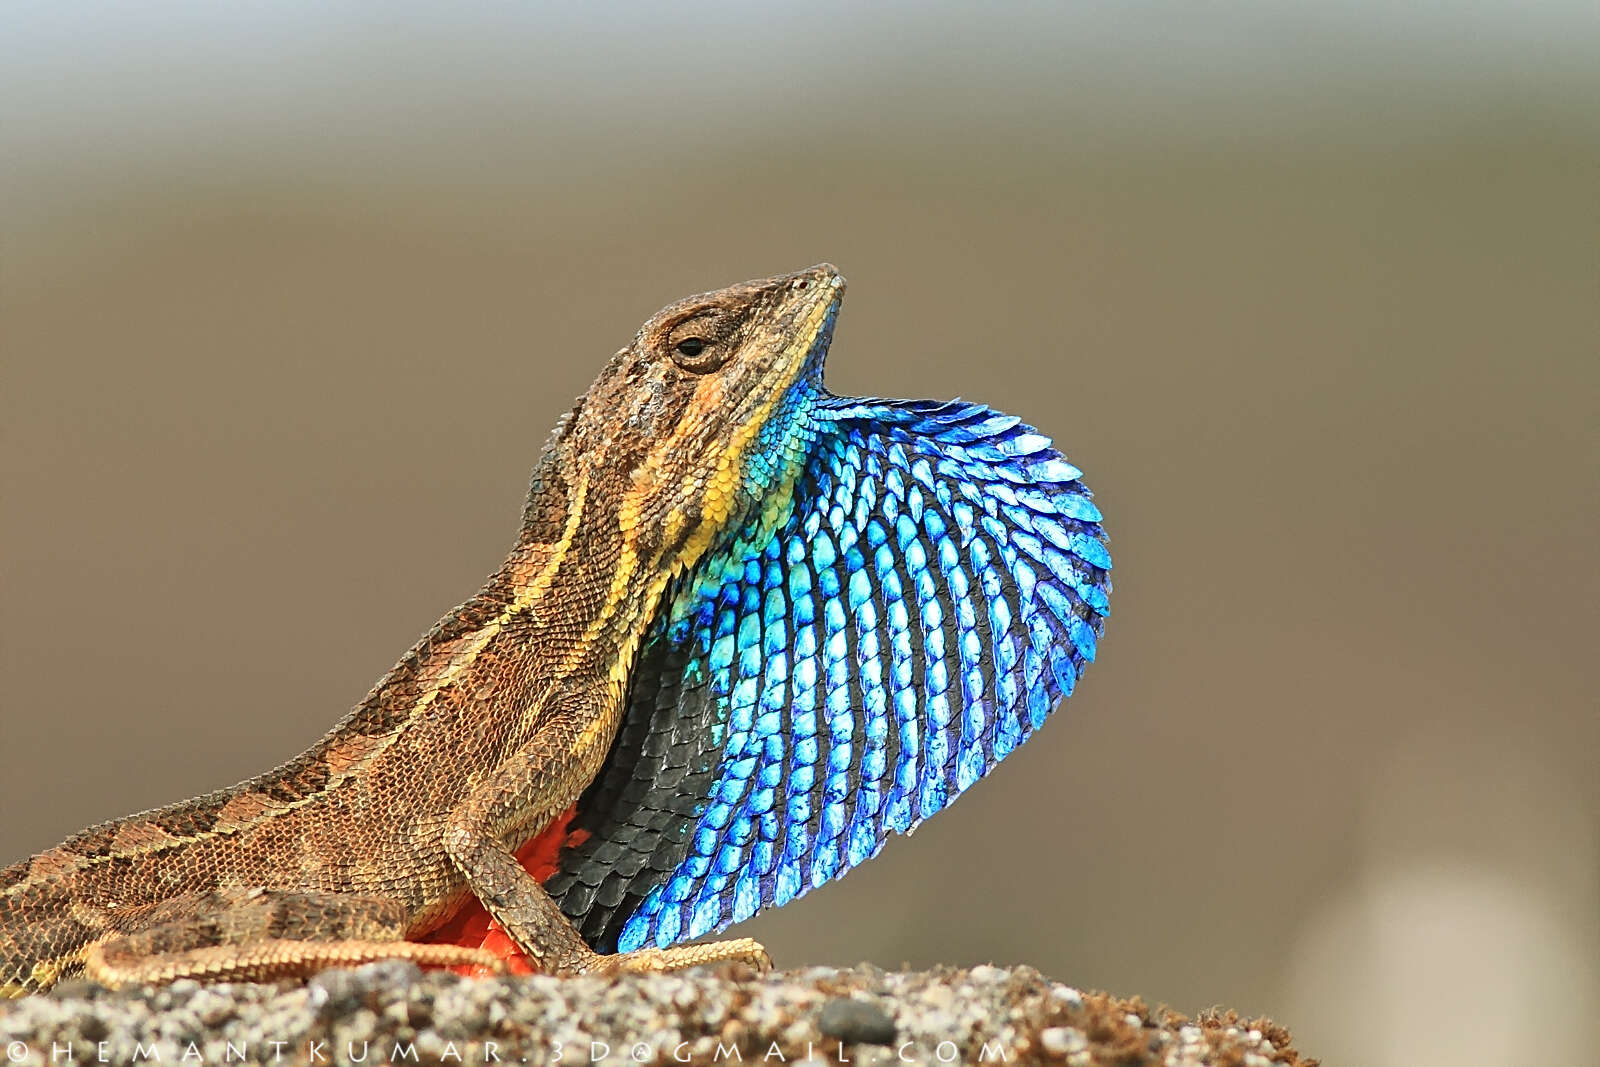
<point>292,295</point>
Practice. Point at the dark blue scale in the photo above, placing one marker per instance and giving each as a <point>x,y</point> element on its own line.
<point>936,587</point>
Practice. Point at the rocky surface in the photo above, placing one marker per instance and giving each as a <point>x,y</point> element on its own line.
<point>392,1013</point>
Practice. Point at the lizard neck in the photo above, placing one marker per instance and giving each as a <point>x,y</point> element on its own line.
<point>588,581</point>
<point>604,572</point>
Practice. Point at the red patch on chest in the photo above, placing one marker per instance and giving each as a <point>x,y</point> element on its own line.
<point>474,928</point>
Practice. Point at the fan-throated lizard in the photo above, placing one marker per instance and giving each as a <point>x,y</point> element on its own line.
<point>747,630</point>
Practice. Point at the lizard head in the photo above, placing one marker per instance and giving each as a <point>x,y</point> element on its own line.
<point>700,422</point>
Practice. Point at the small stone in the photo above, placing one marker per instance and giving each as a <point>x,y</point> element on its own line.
<point>984,972</point>
<point>419,1012</point>
<point>1068,996</point>
<point>1062,1041</point>
<point>212,1009</point>
<point>335,993</point>
<point>856,1022</point>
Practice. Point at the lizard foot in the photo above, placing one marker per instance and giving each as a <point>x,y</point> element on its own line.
<point>657,960</point>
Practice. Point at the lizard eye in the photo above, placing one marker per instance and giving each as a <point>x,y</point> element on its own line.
<point>701,341</point>
<point>698,355</point>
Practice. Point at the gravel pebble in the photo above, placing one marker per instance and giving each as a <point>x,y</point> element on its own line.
<point>856,1022</point>
<point>1062,1040</point>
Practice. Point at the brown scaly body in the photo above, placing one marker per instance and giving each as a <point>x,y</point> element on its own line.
<point>487,729</point>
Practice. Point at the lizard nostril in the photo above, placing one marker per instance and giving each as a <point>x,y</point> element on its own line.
<point>801,283</point>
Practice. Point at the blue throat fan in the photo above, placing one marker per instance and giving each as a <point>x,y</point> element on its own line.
<point>938,584</point>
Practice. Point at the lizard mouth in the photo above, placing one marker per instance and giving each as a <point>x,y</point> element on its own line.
<point>810,300</point>
<point>814,295</point>
<point>806,306</point>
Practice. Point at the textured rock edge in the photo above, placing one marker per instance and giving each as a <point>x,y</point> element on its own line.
<point>392,1013</point>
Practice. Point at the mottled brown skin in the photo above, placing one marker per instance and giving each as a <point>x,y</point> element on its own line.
<point>487,729</point>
